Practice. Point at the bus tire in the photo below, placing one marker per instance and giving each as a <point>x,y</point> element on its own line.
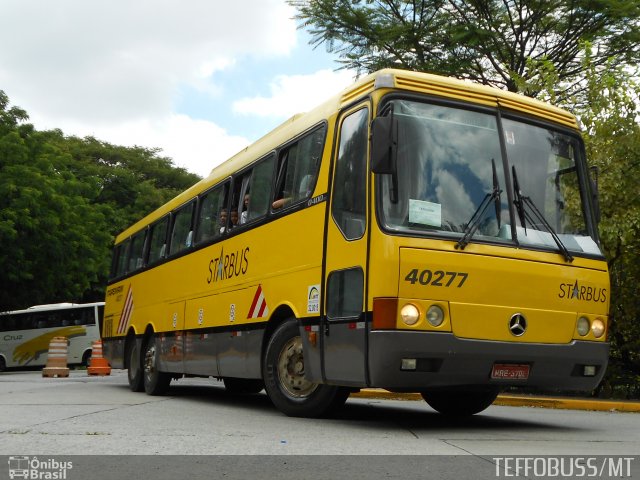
<point>243,386</point>
<point>86,357</point>
<point>134,367</point>
<point>460,403</point>
<point>155,381</point>
<point>283,374</point>
<point>3,364</point>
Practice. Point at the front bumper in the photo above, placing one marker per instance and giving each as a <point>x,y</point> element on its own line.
<point>443,360</point>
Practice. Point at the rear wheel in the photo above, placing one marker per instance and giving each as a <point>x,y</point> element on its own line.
<point>86,358</point>
<point>243,385</point>
<point>134,367</point>
<point>3,364</point>
<point>284,380</point>
<point>155,381</point>
<point>460,403</point>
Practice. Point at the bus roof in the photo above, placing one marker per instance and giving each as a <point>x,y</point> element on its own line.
<point>403,80</point>
<point>54,306</point>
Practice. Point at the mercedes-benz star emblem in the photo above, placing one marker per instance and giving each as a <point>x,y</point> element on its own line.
<point>517,325</point>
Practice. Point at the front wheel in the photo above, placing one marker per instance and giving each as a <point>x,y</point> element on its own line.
<point>460,403</point>
<point>284,381</point>
<point>155,381</point>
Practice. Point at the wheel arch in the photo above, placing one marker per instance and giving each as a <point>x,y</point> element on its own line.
<point>86,354</point>
<point>280,315</point>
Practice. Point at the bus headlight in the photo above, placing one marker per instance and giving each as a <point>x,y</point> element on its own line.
<point>410,314</point>
<point>435,315</point>
<point>597,327</point>
<point>583,326</point>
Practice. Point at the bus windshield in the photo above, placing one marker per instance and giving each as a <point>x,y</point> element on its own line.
<point>449,159</point>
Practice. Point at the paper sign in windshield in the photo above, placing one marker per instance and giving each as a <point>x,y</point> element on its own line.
<point>425,213</point>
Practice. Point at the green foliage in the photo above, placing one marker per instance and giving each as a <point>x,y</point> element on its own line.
<point>62,200</point>
<point>609,113</point>
<point>502,43</point>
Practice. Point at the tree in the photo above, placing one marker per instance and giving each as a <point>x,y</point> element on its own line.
<point>609,116</point>
<point>503,43</point>
<point>62,201</point>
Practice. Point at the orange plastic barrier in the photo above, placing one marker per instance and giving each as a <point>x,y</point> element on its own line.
<point>57,358</point>
<point>98,365</point>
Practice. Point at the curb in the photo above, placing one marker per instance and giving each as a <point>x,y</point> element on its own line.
<point>563,403</point>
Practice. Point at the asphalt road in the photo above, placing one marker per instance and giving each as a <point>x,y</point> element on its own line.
<point>99,416</point>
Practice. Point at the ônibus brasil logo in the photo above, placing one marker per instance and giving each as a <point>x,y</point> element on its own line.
<point>38,469</point>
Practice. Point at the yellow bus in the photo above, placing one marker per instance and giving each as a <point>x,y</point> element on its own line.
<point>415,233</point>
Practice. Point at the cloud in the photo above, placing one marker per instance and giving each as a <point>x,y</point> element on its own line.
<point>107,60</point>
<point>196,145</point>
<point>291,94</point>
<point>115,68</point>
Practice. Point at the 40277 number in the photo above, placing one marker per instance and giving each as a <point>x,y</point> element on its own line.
<point>439,278</point>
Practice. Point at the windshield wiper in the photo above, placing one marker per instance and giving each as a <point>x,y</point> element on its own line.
<point>474,221</point>
<point>521,203</point>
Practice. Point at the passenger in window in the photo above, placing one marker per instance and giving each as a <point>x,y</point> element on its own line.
<point>304,190</point>
<point>280,202</point>
<point>306,185</point>
<point>234,218</point>
<point>245,209</point>
<point>223,220</point>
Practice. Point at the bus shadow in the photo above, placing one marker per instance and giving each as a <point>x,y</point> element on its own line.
<point>374,414</point>
<point>418,415</point>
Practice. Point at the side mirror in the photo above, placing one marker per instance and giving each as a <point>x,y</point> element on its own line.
<point>384,142</point>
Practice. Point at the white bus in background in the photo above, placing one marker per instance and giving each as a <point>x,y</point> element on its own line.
<point>25,334</point>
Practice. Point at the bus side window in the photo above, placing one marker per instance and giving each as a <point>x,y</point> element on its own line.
<point>298,169</point>
<point>345,290</point>
<point>158,240</point>
<point>121,254</point>
<point>182,234</point>
<point>39,321</point>
<point>7,323</point>
<point>260,188</point>
<point>349,187</point>
<point>88,316</point>
<point>252,191</point>
<point>54,320</point>
<point>25,322</point>
<point>136,252</point>
<point>67,318</point>
<point>208,225</point>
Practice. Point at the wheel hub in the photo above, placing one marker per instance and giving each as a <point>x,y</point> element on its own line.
<point>291,370</point>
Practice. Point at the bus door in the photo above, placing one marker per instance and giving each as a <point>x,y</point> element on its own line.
<point>343,320</point>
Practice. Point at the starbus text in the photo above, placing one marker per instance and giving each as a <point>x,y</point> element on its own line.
<point>228,265</point>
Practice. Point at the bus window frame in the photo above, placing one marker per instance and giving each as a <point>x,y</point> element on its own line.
<point>237,178</point>
<point>143,262</point>
<point>125,247</point>
<point>196,220</point>
<point>283,150</point>
<point>193,203</point>
<point>148,263</point>
<point>347,114</point>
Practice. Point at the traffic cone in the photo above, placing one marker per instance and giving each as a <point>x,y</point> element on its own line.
<point>57,358</point>
<point>98,365</point>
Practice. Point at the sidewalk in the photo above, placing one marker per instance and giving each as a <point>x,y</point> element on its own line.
<point>511,400</point>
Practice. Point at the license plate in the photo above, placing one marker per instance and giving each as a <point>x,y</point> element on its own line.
<point>506,371</point>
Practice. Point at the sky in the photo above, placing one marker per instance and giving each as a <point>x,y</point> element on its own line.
<point>199,79</point>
